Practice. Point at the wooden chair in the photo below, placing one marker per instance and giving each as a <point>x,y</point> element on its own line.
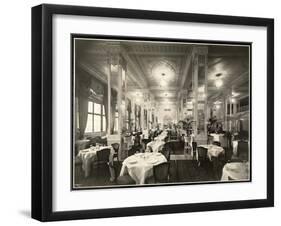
<point>202,156</point>
<point>175,146</point>
<point>145,142</point>
<point>132,151</point>
<point>161,172</point>
<point>121,180</point>
<point>102,158</point>
<point>217,143</point>
<point>93,141</point>
<point>115,147</point>
<point>125,180</point>
<point>243,150</point>
<point>194,148</point>
<point>167,153</point>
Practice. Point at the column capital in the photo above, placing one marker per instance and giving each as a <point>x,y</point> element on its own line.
<point>114,55</point>
<point>200,50</point>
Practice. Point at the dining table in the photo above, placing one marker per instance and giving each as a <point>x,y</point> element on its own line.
<point>88,156</point>
<point>235,171</point>
<point>216,136</point>
<point>162,136</point>
<point>213,150</point>
<point>155,145</point>
<point>140,166</point>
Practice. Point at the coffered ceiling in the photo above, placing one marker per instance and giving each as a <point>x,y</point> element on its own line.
<point>165,68</point>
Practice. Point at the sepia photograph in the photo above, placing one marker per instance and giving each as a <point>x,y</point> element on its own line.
<point>149,112</point>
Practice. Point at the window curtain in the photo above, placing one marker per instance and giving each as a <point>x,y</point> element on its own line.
<point>82,92</point>
<point>83,114</point>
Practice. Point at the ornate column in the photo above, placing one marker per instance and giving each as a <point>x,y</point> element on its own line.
<point>117,81</point>
<point>200,91</point>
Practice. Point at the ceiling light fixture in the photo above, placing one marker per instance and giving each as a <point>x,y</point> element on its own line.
<point>218,82</point>
<point>233,100</point>
<point>163,83</point>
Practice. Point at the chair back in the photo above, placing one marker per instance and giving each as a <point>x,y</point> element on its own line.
<point>137,140</point>
<point>217,143</point>
<point>194,146</point>
<point>92,141</point>
<point>161,172</point>
<point>166,152</point>
<point>146,140</point>
<point>175,146</point>
<point>202,153</point>
<point>115,147</point>
<point>243,150</point>
<point>131,151</point>
<point>103,155</point>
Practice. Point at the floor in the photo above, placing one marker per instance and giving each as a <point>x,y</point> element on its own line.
<point>182,169</point>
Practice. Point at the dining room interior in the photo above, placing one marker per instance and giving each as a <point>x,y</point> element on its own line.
<point>152,112</point>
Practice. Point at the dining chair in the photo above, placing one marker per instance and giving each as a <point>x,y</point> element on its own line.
<point>115,147</point>
<point>145,141</point>
<point>243,150</point>
<point>132,151</point>
<point>230,178</point>
<point>124,180</point>
<point>217,143</point>
<point>194,147</point>
<point>167,153</point>
<point>121,180</point>
<point>202,156</point>
<point>161,172</point>
<point>102,158</point>
<point>210,139</point>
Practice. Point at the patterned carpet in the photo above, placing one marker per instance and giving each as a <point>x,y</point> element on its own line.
<point>182,169</point>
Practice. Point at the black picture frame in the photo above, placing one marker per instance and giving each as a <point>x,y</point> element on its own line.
<point>42,107</point>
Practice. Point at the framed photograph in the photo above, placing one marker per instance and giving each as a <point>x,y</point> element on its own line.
<point>146,112</point>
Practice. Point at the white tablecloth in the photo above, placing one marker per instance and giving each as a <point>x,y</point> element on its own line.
<point>145,134</point>
<point>213,150</point>
<point>156,145</point>
<point>162,136</point>
<point>216,136</point>
<point>236,171</point>
<point>235,146</point>
<point>140,166</point>
<point>88,156</point>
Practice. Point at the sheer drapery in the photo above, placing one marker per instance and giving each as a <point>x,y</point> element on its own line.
<point>83,114</point>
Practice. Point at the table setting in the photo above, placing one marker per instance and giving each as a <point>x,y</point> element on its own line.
<point>236,171</point>
<point>89,155</point>
<point>213,150</point>
<point>140,165</point>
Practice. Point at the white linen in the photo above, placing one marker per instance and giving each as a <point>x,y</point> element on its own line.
<point>88,156</point>
<point>216,136</point>
<point>140,166</point>
<point>235,146</point>
<point>213,150</point>
<point>161,136</point>
<point>156,145</point>
<point>236,171</point>
<point>145,134</point>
